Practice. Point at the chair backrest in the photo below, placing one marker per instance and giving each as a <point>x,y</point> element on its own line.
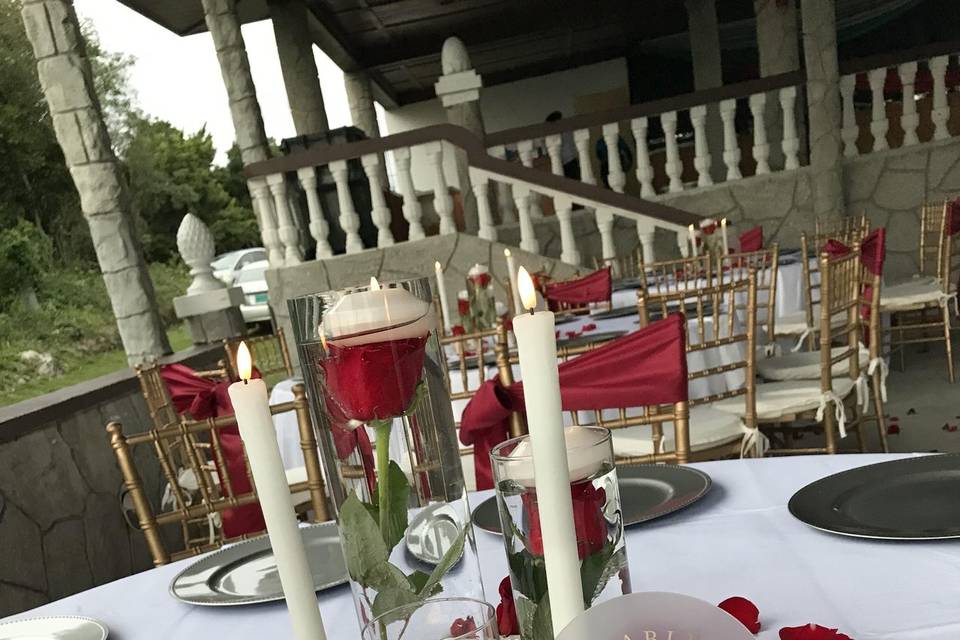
<point>840,322</point>
<point>718,317</point>
<point>200,442</point>
<point>156,395</point>
<point>666,276</point>
<point>270,354</point>
<point>628,266</point>
<point>764,263</point>
<point>931,237</point>
<point>846,229</point>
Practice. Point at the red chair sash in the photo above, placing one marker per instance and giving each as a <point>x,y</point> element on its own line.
<point>751,240</point>
<point>646,367</point>
<point>873,251</point>
<point>596,287</point>
<point>953,217</point>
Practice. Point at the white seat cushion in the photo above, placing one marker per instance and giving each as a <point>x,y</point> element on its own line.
<point>792,324</point>
<point>805,365</point>
<point>778,399</point>
<point>910,295</point>
<point>708,428</point>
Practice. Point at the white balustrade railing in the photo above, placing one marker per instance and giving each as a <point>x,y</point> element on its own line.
<point>879,85</point>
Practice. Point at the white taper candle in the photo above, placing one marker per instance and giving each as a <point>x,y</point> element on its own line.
<point>693,241</point>
<point>252,409</point>
<point>442,294</point>
<point>723,235</point>
<point>512,271</point>
<point>537,346</point>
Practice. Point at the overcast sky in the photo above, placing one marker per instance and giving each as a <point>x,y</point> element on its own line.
<point>178,79</point>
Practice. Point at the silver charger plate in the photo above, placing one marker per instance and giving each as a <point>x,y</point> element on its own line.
<point>246,573</point>
<point>647,492</point>
<point>908,499</point>
<point>433,531</point>
<point>53,628</point>
<point>616,312</point>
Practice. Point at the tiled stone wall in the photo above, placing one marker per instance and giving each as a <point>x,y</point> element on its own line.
<point>62,530</point>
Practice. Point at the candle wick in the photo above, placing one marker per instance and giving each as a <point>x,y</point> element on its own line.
<point>245,381</point>
<point>532,310</point>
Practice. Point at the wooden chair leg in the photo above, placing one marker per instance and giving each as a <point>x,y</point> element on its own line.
<point>947,343</point>
<point>830,430</point>
<point>878,408</point>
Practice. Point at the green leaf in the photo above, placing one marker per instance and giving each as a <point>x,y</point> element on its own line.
<point>529,574</point>
<point>526,610</point>
<point>592,570</point>
<point>449,559</point>
<point>418,580</point>
<point>390,599</point>
<point>363,545</point>
<point>542,623</point>
<point>395,523</point>
<point>387,576</point>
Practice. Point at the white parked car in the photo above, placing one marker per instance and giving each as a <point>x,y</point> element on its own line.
<point>227,266</point>
<point>252,280</point>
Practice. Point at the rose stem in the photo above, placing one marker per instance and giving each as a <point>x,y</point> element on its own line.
<point>383,470</point>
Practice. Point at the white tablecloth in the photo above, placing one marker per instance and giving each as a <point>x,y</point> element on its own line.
<point>739,540</point>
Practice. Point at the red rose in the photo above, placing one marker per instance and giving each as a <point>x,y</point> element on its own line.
<point>462,626</point>
<point>463,307</point>
<point>373,381</point>
<point>458,330</point>
<point>481,280</point>
<point>507,623</point>
<point>591,526</point>
<point>811,632</point>
<point>744,611</point>
<point>709,229</point>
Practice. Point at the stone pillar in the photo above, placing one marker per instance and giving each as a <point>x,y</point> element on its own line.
<point>707,72</point>
<point>459,92</point>
<point>67,82</point>
<point>778,45</point>
<point>823,106</point>
<point>210,309</point>
<point>363,112</point>
<point>292,31</point>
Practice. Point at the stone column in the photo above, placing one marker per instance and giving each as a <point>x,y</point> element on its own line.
<point>778,45</point>
<point>823,106</point>
<point>459,91</point>
<point>292,31</point>
<point>67,82</point>
<point>707,72</point>
<point>363,112</point>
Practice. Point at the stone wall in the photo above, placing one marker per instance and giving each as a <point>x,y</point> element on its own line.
<point>457,252</point>
<point>62,530</point>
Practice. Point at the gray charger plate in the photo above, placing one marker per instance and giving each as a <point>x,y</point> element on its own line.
<point>587,338</point>
<point>908,499</point>
<point>54,627</point>
<point>647,491</point>
<point>616,312</point>
<point>246,573</point>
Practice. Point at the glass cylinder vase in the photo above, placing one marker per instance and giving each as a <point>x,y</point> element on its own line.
<point>371,360</point>
<point>598,522</point>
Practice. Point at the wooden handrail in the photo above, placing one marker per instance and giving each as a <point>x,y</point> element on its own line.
<point>476,151</point>
<point>652,108</point>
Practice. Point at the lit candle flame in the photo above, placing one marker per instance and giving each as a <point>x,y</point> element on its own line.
<point>528,294</point>
<point>506,253</point>
<point>244,362</point>
<point>374,285</point>
<point>436,265</point>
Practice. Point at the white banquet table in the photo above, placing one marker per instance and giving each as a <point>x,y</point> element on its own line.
<point>738,540</point>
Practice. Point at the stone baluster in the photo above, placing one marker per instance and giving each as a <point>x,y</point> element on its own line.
<point>379,210</point>
<point>791,143</point>
<point>504,195</point>
<point>616,178</point>
<point>674,165</point>
<point>481,192</point>
<point>605,226</point>
<point>683,243</point>
<point>349,220</point>
<point>909,119</point>
<point>761,148</point>
<point>878,122</point>
<point>442,202</point>
<point>412,211</point>
<point>525,151</point>
<point>285,226</point>
<point>731,148</point>
<point>528,235</point>
<point>850,131</point>
<point>941,111</point>
<point>319,228</point>
<point>554,144</point>
<point>701,153</point>
<point>644,166</point>
<point>263,202</point>
<point>568,241</point>
<point>581,138</point>
<point>646,232</point>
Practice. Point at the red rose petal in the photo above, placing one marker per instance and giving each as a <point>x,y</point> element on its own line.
<point>893,429</point>
<point>462,626</point>
<point>507,623</point>
<point>811,632</point>
<point>744,611</point>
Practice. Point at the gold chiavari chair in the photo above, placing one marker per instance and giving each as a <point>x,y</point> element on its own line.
<point>668,276</point>
<point>765,262</point>
<point>205,456</point>
<point>852,227</point>
<point>469,358</point>
<point>788,407</point>
<point>911,303</point>
<point>628,266</point>
<point>156,395</point>
<point>721,320</point>
<point>269,352</point>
